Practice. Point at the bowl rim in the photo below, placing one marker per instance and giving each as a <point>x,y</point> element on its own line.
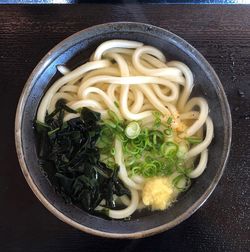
<point>18,137</point>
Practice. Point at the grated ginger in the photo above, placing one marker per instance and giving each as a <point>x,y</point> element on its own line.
<point>158,193</point>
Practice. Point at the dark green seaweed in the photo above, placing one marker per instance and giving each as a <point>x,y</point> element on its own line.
<point>68,154</point>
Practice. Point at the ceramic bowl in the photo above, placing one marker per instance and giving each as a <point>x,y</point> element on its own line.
<point>74,51</point>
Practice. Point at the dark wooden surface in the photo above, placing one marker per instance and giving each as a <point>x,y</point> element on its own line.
<point>221,33</point>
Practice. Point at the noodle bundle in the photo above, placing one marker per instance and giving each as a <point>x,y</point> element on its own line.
<point>139,86</point>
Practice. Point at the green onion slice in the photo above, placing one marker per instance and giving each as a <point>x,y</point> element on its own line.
<point>169,149</point>
<point>182,182</point>
<point>170,120</point>
<point>133,130</point>
<point>194,140</point>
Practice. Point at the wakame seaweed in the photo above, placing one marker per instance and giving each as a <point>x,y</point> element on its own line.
<point>68,154</point>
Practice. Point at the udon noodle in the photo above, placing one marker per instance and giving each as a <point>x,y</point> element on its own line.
<point>134,80</point>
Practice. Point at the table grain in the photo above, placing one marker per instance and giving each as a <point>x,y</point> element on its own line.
<point>220,33</point>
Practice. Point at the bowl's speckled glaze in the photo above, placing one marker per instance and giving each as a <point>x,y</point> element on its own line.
<point>75,50</point>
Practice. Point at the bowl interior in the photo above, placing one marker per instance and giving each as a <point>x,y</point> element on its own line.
<point>74,51</point>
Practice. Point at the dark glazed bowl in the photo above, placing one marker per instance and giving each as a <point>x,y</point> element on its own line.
<point>73,51</point>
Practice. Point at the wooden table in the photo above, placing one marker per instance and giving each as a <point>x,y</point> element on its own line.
<point>220,33</point>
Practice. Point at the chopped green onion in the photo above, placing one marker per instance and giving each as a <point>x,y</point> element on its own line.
<point>42,124</point>
<point>194,140</point>
<point>156,137</point>
<point>119,128</point>
<point>110,123</point>
<point>169,149</point>
<point>106,132</point>
<point>122,138</point>
<point>112,151</point>
<point>116,104</point>
<point>182,150</point>
<point>148,158</point>
<point>157,117</point>
<point>180,167</point>
<point>169,121</point>
<point>168,131</point>
<point>53,131</point>
<point>101,144</point>
<point>130,160</point>
<point>149,170</point>
<point>136,170</point>
<point>113,116</point>
<point>132,130</point>
<point>130,149</point>
<point>167,170</point>
<point>182,182</point>
<point>157,164</point>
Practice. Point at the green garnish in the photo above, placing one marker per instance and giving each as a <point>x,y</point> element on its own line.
<point>182,182</point>
<point>69,156</point>
<point>169,121</point>
<point>116,104</point>
<point>168,132</point>
<point>132,130</point>
<point>157,117</point>
<point>169,149</point>
<point>147,152</point>
<point>194,140</point>
<point>114,117</point>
